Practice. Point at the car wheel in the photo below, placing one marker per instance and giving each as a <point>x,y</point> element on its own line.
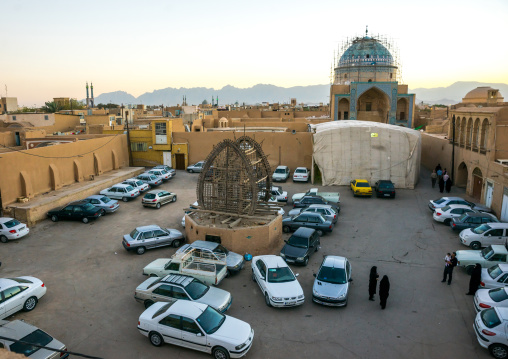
<point>140,250</point>
<point>475,245</point>
<point>447,221</point>
<point>158,205</point>
<point>155,339</point>
<point>103,213</point>
<point>84,220</point>
<point>319,232</point>
<point>125,199</point>
<point>30,304</point>
<point>176,243</point>
<point>469,269</point>
<point>3,239</point>
<point>253,276</point>
<point>267,300</point>
<point>148,303</point>
<point>54,218</point>
<point>498,351</point>
<point>306,261</point>
<point>174,199</point>
<point>191,171</point>
<point>286,229</point>
<point>220,353</point>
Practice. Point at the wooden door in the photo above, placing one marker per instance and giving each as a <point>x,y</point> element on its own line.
<point>180,161</point>
<point>477,187</point>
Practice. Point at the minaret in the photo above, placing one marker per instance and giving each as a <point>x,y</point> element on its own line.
<point>91,90</point>
<point>87,97</point>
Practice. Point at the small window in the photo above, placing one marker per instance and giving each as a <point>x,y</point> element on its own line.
<point>346,115</point>
<point>78,209</point>
<point>174,267</point>
<point>179,293</point>
<point>172,321</point>
<point>139,146</point>
<point>159,233</point>
<point>14,118</point>
<point>345,76</point>
<point>391,76</point>
<point>370,80</point>
<point>190,326</point>
<point>164,290</point>
<point>502,278</point>
<point>46,117</point>
<point>148,235</point>
<point>368,105</point>
<point>11,292</point>
<point>368,56</point>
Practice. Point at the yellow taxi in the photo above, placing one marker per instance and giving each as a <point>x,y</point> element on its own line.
<point>361,187</point>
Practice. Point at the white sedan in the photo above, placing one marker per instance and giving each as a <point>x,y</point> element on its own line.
<point>495,276</point>
<point>301,174</point>
<point>488,298</point>
<point>490,328</point>
<point>11,228</point>
<point>446,213</point>
<point>196,326</point>
<point>21,293</point>
<point>121,191</point>
<point>277,282</point>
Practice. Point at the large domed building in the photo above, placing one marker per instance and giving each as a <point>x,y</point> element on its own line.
<point>365,84</point>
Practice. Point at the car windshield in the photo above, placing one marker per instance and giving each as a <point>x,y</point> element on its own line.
<point>211,320</point>
<point>301,171</point>
<point>490,318</point>
<point>129,188</point>
<point>439,201</point>
<point>332,275</point>
<point>150,196</point>
<point>498,294</point>
<point>196,289</point>
<point>221,249</point>
<point>134,234</point>
<point>487,252</point>
<point>280,275</point>
<point>37,337</point>
<point>481,229</point>
<point>494,271</point>
<point>445,209</point>
<point>12,223</point>
<point>88,206</point>
<point>362,184</point>
<point>105,199</point>
<point>300,242</point>
<point>280,170</point>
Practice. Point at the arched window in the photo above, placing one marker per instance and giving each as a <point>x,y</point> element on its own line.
<point>469,131</point>
<point>484,134</point>
<point>476,133</point>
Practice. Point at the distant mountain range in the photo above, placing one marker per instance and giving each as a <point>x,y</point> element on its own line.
<point>313,94</point>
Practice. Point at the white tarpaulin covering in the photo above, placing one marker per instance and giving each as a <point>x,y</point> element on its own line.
<point>350,149</point>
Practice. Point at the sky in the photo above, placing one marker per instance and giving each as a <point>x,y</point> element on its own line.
<point>51,48</point>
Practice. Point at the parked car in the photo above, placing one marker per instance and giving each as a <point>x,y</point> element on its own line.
<point>234,260</point>
<point>162,174</point>
<point>279,194</point>
<point>327,211</point>
<point>277,281</point>
<point>105,203</point>
<point>472,220</point>
<point>156,198</point>
<point>309,220</point>
<point>487,257</point>
<point>311,199</point>
<point>301,174</point>
<point>490,328</point>
<point>171,170</point>
<point>150,179</point>
<point>485,235</point>
<point>152,236</point>
<point>360,187</point>
<point>333,197</point>
<point>20,293</point>
<point>300,246</point>
<point>24,334</point>
<point>173,287</point>
<point>488,298</point>
<point>137,184</point>
<point>281,174</point>
<point>447,213</point>
<point>77,211</point>
<point>384,188</point>
<point>193,206</point>
<point>445,201</point>
<point>121,191</point>
<point>196,167</point>
<point>196,326</point>
<point>331,286</point>
<point>495,276</point>
<point>11,228</point>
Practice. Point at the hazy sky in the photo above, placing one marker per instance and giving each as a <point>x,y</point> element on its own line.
<point>51,48</point>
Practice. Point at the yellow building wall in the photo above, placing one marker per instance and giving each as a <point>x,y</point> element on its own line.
<point>178,148</point>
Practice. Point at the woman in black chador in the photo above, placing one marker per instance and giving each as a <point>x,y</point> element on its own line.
<point>373,282</point>
<point>476,278</point>
<point>384,289</point>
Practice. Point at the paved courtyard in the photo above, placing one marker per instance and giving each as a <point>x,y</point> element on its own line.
<point>91,279</point>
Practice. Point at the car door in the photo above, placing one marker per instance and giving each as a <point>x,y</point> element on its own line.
<point>77,213</point>
<point>162,238</point>
<point>170,329</point>
<point>66,213</point>
<point>14,299</point>
<point>192,335</point>
<point>148,239</point>
<point>260,274</point>
<point>502,280</point>
<point>111,193</point>
<point>495,236</point>
<point>299,221</point>
<point>165,197</point>
<point>495,259</point>
<point>163,293</point>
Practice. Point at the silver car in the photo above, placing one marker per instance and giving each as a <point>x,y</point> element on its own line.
<point>325,210</point>
<point>156,198</point>
<point>162,174</point>
<point>150,179</point>
<point>446,201</point>
<point>171,170</point>
<point>196,167</point>
<point>331,286</point>
<point>176,286</point>
<point>105,203</point>
<point>152,236</point>
<point>137,184</point>
<point>26,333</point>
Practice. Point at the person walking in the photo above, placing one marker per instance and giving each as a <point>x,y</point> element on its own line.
<point>438,167</point>
<point>476,278</point>
<point>373,282</point>
<point>433,178</point>
<point>384,290</point>
<point>450,264</point>
<point>448,185</point>
<point>441,184</point>
<point>445,180</point>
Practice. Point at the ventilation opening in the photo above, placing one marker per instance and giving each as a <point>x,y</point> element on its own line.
<point>210,238</point>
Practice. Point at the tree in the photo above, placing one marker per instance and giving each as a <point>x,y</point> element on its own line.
<point>204,102</point>
<point>51,107</point>
<point>74,105</point>
<point>108,105</point>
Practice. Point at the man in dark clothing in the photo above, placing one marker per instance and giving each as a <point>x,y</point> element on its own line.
<point>373,282</point>
<point>438,167</point>
<point>384,290</point>
<point>441,184</point>
<point>452,263</point>
<point>476,278</point>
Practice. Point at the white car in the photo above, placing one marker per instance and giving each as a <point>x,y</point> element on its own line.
<point>121,191</point>
<point>488,298</point>
<point>447,213</point>
<point>301,174</point>
<point>11,228</point>
<point>490,328</point>
<point>495,276</point>
<point>196,326</point>
<point>281,174</point>
<point>160,173</point>
<point>485,235</point>
<point>24,332</point>
<point>194,205</point>
<point>277,282</point>
<point>137,184</point>
<point>21,293</point>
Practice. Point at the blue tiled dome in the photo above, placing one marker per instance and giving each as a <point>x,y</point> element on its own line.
<point>366,51</point>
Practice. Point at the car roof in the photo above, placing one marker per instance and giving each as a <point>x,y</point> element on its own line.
<point>503,312</point>
<point>452,206</point>
<point>361,180</point>
<point>478,214</point>
<point>503,267</point>
<point>272,261</point>
<point>452,198</point>
<point>5,219</point>
<point>188,308</point>
<point>327,206</point>
<point>385,181</point>
<point>96,196</point>
<point>121,185</point>
<point>311,213</point>
<point>183,280</point>
<point>301,168</point>
<point>77,203</point>
<point>334,261</point>
<point>204,244</point>
<point>304,232</point>
<point>16,329</point>
<point>156,191</point>
<point>7,283</point>
<point>497,225</point>
<point>282,167</point>
<point>499,248</point>
<point>150,227</point>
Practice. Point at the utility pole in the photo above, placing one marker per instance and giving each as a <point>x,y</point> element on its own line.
<point>128,140</point>
<point>453,147</point>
